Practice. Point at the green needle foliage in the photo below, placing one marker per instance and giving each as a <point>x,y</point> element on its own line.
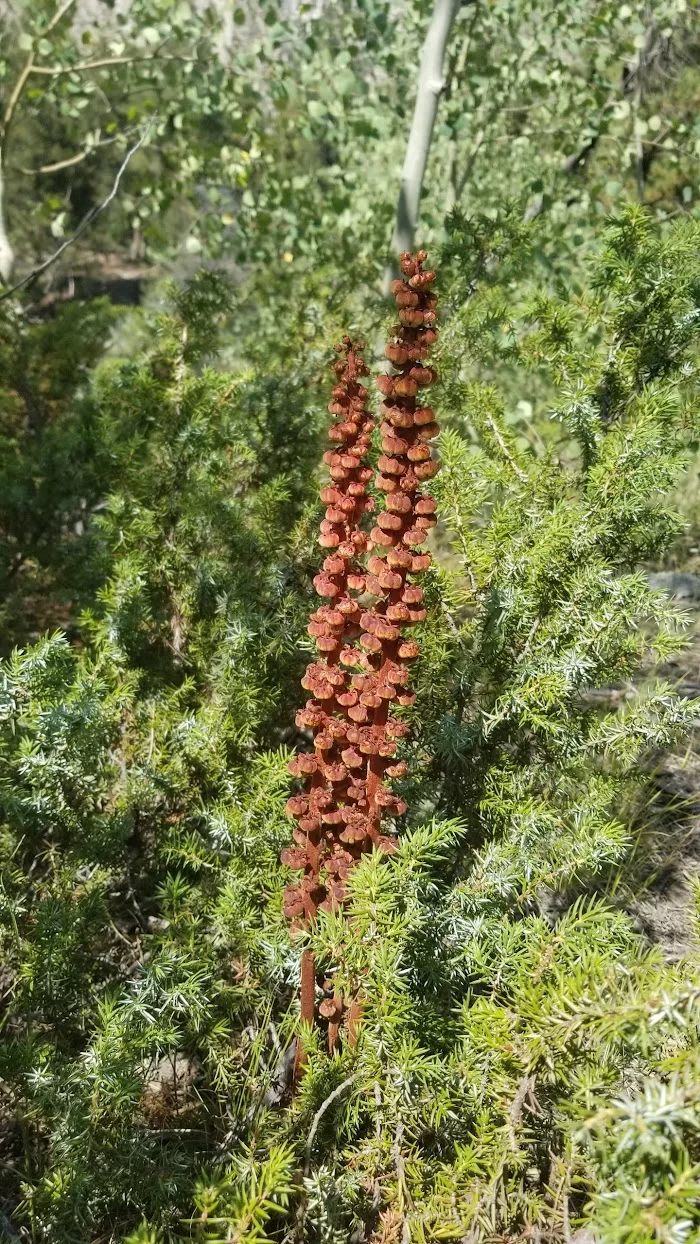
<point>527,1065</point>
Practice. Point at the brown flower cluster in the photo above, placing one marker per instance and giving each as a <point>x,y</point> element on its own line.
<point>362,671</point>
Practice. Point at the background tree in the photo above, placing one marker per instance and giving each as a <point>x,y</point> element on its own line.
<point>259,127</point>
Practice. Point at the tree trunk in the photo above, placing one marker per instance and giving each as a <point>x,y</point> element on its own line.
<point>431,84</point>
<point>7,255</point>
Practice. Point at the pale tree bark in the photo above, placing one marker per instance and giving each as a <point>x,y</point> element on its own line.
<point>431,84</point>
<point>7,255</point>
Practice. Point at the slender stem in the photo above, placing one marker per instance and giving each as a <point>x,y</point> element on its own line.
<point>505,451</point>
<point>60,12</point>
<point>68,162</point>
<point>55,71</point>
<point>308,986</point>
<point>457,74</point>
<point>319,1115</point>
<point>15,95</point>
<point>55,168</point>
<point>307,1008</point>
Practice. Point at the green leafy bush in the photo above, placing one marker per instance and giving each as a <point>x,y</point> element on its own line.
<point>526,1063</point>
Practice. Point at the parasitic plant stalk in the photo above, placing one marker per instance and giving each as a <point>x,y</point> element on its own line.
<point>406,430</point>
<point>332,824</point>
<point>362,671</point>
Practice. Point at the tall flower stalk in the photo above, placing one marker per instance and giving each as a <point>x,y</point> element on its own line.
<point>361,676</point>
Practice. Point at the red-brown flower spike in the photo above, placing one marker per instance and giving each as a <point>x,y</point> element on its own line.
<point>406,429</point>
<point>360,628</point>
<point>333,827</point>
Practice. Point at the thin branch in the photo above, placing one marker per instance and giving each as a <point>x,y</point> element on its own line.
<point>14,99</point>
<point>319,1115</point>
<point>530,636</point>
<point>29,67</point>
<point>55,71</point>
<point>275,1039</point>
<point>49,299</point>
<point>525,1089</point>
<point>456,73</point>
<point>460,182</point>
<point>522,476</point>
<point>67,163</point>
<point>92,215</point>
<point>565,1219</point>
<point>60,12</point>
<point>637,97</point>
<point>55,168</point>
<point>450,620</point>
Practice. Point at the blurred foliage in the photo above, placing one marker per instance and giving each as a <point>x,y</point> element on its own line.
<point>276,132</point>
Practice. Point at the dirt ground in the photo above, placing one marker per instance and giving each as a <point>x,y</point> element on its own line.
<point>668,855</point>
